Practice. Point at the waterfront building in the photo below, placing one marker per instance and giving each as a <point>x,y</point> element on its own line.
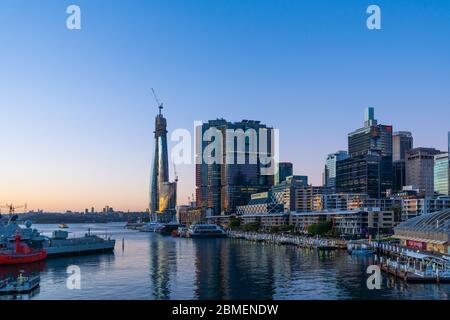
<point>420,169</point>
<point>414,207</point>
<point>221,187</point>
<point>284,192</point>
<point>261,203</point>
<point>266,221</point>
<point>352,201</point>
<point>429,232</point>
<point>285,169</point>
<point>441,174</point>
<point>305,197</point>
<point>347,222</point>
<point>162,192</point>
<point>330,169</point>
<point>368,169</point>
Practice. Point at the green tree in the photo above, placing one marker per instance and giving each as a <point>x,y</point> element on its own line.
<point>252,226</point>
<point>320,228</point>
<point>235,222</point>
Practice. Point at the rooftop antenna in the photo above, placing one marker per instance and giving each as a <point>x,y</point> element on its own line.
<point>160,105</point>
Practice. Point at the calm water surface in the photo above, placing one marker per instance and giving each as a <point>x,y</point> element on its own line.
<point>150,266</point>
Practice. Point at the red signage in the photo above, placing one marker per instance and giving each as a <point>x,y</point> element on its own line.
<point>417,244</point>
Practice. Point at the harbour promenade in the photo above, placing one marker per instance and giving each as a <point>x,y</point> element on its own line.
<point>287,239</point>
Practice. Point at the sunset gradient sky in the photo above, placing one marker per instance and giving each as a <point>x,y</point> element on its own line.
<point>77,112</point>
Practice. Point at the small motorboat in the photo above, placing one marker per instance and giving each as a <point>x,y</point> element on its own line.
<point>21,284</point>
<point>21,254</point>
<point>63,226</point>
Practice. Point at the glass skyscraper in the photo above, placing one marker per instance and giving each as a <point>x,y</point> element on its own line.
<point>221,187</point>
<point>402,142</point>
<point>162,192</point>
<point>441,174</point>
<point>369,166</point>
<point>330,169</point>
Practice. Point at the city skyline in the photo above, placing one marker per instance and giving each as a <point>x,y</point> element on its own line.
<point>78,113</point>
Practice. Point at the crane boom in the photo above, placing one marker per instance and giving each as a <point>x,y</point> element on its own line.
<point>160,105</point>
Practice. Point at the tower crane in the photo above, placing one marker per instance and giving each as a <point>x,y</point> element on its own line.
<point>11,208</point>
<point>160,105</point>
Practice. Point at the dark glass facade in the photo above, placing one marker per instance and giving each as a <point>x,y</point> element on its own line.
<point>285,169</point>
<point>369,166</point>
<point>222,187</point>
<point>370,174</point>
<point>399,175</point>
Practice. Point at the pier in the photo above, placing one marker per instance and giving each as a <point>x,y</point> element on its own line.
<point>280,239</point>
<point>411,266</point>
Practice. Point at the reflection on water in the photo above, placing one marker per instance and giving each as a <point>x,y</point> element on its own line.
<point>150,266</point>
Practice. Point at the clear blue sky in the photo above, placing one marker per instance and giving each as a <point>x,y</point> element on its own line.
<point>77,112</point>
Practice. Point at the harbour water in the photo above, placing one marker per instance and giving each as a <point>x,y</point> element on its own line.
<point>150,266</point>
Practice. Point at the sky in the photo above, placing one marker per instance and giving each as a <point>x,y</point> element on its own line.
<point>77,111</point>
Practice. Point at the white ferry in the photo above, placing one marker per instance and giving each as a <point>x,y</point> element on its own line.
<point>206,231</point>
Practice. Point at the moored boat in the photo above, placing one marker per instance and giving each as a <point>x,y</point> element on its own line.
<point>21,254</point>
<point>359,249</point>
<point>21,284</point>
<point>150,227</point>
<point>206,231</point>
<point>59,244</point>
<point>167,229</point>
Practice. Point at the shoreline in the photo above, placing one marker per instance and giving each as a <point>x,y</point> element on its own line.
<point>296,240</point>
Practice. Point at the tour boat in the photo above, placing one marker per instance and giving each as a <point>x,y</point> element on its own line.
<point>21,254</point>
<point>206,231</point>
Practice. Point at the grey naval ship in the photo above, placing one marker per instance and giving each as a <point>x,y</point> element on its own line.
<point>59,244</point>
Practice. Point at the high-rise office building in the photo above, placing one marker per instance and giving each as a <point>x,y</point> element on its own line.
<point>285,169</point>
<point>330,169</point>
<point>368,169</point>
<point>162,192</point>
<point>372,136</point>
<point>221,187</point>
<point>420,169</point>
<point>402,142</point>
<point>441,174</point>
